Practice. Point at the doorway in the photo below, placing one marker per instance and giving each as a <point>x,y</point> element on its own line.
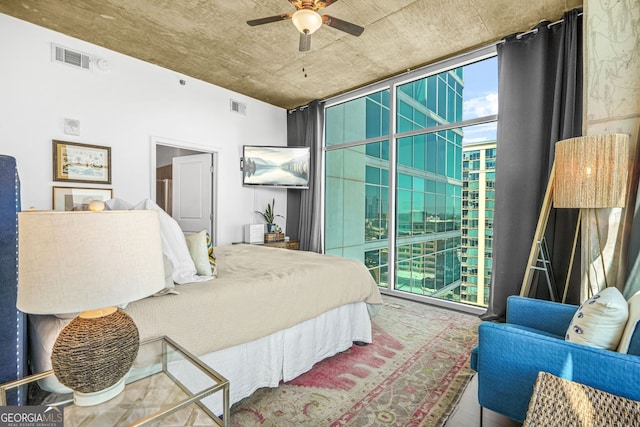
<point>183,183</point>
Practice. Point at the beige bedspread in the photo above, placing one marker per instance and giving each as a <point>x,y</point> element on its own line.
<point>258,291</point>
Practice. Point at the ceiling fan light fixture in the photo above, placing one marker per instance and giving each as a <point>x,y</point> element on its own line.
<point>307,21</point>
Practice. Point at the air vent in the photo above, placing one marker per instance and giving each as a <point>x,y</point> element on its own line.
<point>238,107</point>
<point>70,57</point>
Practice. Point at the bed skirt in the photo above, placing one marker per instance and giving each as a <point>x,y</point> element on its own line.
<point>281,356</point>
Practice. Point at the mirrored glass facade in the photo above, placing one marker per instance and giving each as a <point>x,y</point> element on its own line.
<point>394,182</point>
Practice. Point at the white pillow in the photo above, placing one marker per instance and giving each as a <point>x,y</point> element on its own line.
<point>197,244</point>
<point>632,322</point>
<point>600,320</point>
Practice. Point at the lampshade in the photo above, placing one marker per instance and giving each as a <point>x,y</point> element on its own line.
<point>591,171</point>
<point>307,21</point>
<point>89,262</point>
<point>77,261</point>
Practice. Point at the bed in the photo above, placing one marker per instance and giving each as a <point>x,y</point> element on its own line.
<point>268,316</point>
<point>13,360</point>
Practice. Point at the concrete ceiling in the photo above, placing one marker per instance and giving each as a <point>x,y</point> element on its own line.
<point>210,40</point>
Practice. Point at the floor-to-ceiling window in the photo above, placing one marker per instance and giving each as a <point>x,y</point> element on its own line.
<point>394,178</point>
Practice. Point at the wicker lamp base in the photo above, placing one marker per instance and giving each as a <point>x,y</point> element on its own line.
<point>93,354</point>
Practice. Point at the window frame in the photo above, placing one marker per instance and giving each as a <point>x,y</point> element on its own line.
<point>392,86</point>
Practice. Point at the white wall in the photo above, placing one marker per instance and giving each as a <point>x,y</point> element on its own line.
<point>123,108</point>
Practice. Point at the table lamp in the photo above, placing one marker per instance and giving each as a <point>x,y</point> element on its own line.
<point>89,263</point>
<point>592,172</point>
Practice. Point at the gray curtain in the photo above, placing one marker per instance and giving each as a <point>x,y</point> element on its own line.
<point>304,207</point>
<point>632,283</point>
<point>539,103</point>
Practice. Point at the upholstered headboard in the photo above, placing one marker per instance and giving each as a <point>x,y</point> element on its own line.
<point>13,355</point>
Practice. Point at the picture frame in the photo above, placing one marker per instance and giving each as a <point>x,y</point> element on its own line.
<point>76,162</point>
<point>78,199</point>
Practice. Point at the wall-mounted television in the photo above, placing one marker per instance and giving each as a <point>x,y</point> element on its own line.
<point>284,167</point>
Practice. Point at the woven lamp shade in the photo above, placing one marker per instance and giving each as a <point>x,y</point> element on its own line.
<point>591,172</point>
<point>88,263</point>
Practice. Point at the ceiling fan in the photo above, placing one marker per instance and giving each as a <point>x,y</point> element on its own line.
<point>307,20</point>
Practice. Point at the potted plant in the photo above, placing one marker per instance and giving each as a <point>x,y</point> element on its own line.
<point>269,216</point>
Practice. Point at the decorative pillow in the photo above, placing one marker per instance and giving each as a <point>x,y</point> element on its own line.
<point>212,256</point>
<point>632,323</point>
<point>600,320</point>
<point>199,251</point>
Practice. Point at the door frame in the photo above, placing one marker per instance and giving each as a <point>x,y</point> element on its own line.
<point>214,151</point>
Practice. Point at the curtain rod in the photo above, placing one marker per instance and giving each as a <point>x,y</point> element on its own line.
<point>535,30</point>
<point>502,41</point>
<point>301,108</point>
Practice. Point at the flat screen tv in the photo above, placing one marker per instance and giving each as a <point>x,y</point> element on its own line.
<point>284,167</point>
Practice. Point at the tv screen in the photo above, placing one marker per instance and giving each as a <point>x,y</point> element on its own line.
<point>286,167</point>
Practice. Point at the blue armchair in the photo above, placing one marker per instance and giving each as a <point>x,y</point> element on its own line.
<point>509,356</point>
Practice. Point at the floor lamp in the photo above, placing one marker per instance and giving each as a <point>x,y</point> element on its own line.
<point>591,172</point>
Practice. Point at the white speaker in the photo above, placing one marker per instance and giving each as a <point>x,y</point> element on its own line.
<point>254,233</point>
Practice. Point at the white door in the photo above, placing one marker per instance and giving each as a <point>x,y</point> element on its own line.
<point>192,196</point>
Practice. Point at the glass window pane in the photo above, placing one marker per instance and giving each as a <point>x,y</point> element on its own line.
<point>419,147</point>
<point>373,175</point>
<point>445,184</point>
<point>461,93</point>
<point>481,89</point>
<point>432,153</point>
<point>442,97</point>
<point>442,156</point>
<point>404,181</point>
<point>373,149</point>
<point>358,119</point>
<point>405,152</point>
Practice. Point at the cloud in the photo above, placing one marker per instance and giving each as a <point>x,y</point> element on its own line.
<point>477,139</point>
<point>480,133</point>
<point>481,106</point>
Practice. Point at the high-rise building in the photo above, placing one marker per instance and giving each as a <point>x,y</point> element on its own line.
<point>393,189</point>
<point>478,198</point>
<point>428,184</point>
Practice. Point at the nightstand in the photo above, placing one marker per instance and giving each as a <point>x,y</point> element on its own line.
<point>291,244</point>
<point>166,383</point>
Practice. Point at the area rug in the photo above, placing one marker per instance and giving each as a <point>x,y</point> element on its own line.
<point>413,374</point>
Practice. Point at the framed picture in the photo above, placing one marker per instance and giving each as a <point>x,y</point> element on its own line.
<point>78,199</point>
<point>76,162</point>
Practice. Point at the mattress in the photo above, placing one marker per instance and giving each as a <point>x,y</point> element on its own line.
<point>258,291</point>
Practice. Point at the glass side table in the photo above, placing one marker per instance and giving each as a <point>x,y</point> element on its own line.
<point>166,385</point>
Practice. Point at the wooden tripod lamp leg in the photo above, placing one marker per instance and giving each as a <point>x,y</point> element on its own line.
<point>541,227</point>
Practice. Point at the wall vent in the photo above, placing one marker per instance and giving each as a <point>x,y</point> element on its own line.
<point>69,57</point>
<point>238,107</point>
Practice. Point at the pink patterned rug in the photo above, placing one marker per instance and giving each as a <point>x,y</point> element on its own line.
<point>411,375</point>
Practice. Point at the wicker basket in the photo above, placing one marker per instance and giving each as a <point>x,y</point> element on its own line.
<point>558,402</point>
<point>273,237</point>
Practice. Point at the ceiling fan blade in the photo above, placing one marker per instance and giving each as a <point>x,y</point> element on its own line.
<point>339,24</point>
<point>321,4</point>
<point>296,3</point>
<point>270,19</point>
<point>305,42</point>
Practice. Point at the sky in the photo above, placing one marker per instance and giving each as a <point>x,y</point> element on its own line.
<point>480,98</point>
